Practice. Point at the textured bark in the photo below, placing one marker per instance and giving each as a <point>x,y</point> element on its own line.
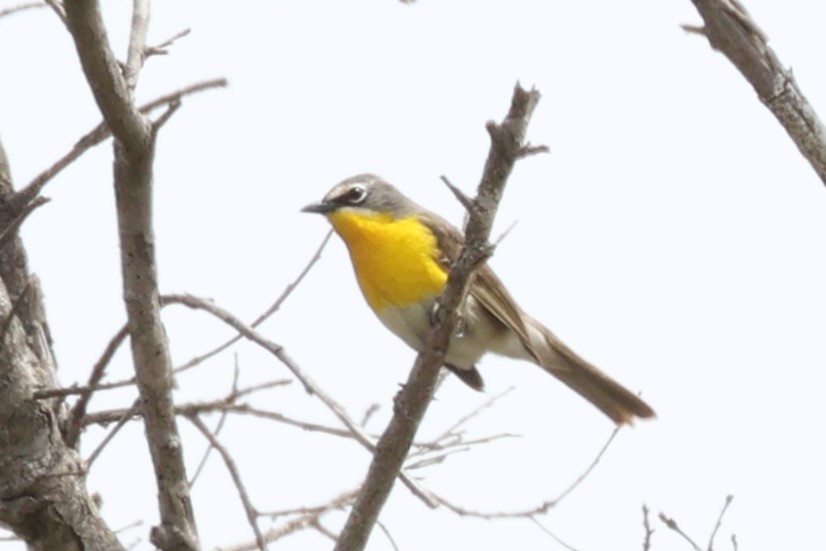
<point>43,496</point>
<point>134,148</point>
<point>731,30</point>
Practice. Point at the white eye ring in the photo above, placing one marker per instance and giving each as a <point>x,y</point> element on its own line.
<point>355,195</point>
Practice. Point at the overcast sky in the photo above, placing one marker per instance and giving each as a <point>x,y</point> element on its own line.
<point>674,236</point>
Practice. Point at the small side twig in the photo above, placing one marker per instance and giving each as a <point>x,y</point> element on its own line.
<point>672,525</point>
<point>21,7</point>
<point>646,524</point>
<point>127,415</point>
<point>270,311</point>
<point>729,498</point>
<point>249,509</point>
<point>79,410</point>
<point>553,536</point>
<point>161,49</point>
<point>236,373</point>
<point>309,384</point>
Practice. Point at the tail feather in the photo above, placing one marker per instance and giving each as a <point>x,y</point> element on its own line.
<point>613,399</point>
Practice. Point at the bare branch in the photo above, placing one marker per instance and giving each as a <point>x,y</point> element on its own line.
<point>646,543</point>
<point>78,412</point>
<point>101,132</point>
<point>134,152</point>
<point>270,311</point>
<point>308,519</point>
<point>591,467</point>
<point>412,401</point>
<point>124,418</point>
<point>310,386</point>
<point>731,30</point>
<point>137,43</point>
<point>249,509</point>
<point>161,49</point>
<point>541,508</point>
<point>105,78</point>
<point>552,535</point>
<point>464,419</point>
<point>21,7</point>
<point>236,373</point>
<point>463,199</point>
<point>672,524</point>
<point>729,498</point>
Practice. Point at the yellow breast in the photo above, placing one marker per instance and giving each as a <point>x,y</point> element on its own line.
<point>394,259</point>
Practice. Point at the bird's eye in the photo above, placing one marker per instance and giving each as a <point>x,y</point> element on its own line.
<point>355,195</point>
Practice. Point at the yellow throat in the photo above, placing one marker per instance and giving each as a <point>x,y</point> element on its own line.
<point>395,259</point>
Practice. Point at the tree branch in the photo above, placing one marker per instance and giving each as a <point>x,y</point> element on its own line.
<point>134,152</point>
<point>311,386</point>
<point>731,30</point>
<point>137,44</point>
<point>411,403</point>
<point>43,497</point>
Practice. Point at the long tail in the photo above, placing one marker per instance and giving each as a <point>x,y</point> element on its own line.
<point>613,399</point>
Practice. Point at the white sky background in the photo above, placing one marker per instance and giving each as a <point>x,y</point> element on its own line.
<point>674,236</point>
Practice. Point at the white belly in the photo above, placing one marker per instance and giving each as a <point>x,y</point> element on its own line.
<point>472,340</point>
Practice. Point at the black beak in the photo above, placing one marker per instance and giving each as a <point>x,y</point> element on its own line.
<point>319,208</point>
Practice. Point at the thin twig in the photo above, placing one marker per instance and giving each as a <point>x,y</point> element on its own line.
<point>591,467</point>
<point>21,7</point>
<point>124,418</point>
<point>672,524</point>
<point>310,385</point>
<point>249,509</point>
<point>463,199</point>
<point>161,49</point>
<point>542,508</point>
<point>101,132</point>
<point>389,536</point>
<point>552,535</point>
<point>646,542</point>
<point>729,498</point>
<point>75,423</point>
<point>236,372</point>
<point>299,523</point>
<point>270,311</point>
<point>464,419</point>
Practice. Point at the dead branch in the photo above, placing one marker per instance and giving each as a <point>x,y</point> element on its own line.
<point>249,509</point>
<point>411,403</point>
<point>309,384</point>
<point>134,149</point>
<point>731,30</point>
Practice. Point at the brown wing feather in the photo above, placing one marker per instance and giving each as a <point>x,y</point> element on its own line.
<point>487,289</point>
<point>613,399</point>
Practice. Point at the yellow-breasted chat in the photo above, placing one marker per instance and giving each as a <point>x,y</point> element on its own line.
<point>402,253</point>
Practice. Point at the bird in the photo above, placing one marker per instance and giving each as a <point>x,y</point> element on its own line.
<point>402,254</point>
